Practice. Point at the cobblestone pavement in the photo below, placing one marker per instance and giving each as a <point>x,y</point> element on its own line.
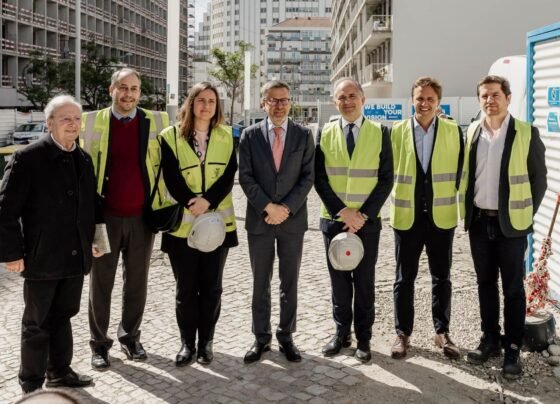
<point>425,376</point>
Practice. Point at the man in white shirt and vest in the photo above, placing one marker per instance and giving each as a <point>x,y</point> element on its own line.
<point>428,160</point>
<point>504,182</point>
<point>353,177</point>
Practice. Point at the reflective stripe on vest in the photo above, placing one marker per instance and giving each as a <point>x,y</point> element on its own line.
<point>520,203</point>
<point>444,167</point>
<point>94,138</point>
<point>354,179</point>
<point>219,150</point>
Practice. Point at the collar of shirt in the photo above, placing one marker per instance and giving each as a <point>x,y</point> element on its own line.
<point>132,115</point>
<point>418,126</point>
<point>357,123</point>
<point>491,133</point>
<point>271,126</point>
<point>61,147</point>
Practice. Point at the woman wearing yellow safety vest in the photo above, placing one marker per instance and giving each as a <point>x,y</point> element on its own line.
<point>198,164</point>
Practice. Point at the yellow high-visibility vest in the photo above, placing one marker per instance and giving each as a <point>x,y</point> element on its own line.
<point>520,203</point>
<point>444,167</point>
<point>352,179</point>
<point>198,175</point>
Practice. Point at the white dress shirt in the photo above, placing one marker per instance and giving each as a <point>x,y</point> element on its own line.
<point>488,162</point>
<point>424,140</point>
<point>355,130</point>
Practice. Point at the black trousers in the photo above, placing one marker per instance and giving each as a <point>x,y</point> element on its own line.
<point>198,280</point>
<point>408,248</point>
<point>359,282</point>
<point>494,255</point>
<point>131,236</point>
<point>262,253</point>
<point>46,332</point>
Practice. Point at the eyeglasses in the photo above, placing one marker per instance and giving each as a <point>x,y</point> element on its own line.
<point>277,101</point>
<point>67,120</point>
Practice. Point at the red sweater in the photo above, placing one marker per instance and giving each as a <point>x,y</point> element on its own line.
<point>125,188</point>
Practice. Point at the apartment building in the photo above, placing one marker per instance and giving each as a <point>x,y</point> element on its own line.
<point>232,21</point>
<point>298,51</point>
<point>361,44</point>
<point>133,32</point>
<point>387,44</point>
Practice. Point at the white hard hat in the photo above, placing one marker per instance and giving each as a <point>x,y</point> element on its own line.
<point>208,232</point>
<point>346,250</point>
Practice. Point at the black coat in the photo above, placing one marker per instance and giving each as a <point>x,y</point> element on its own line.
<point>536,166</point>
<point>47,211</point>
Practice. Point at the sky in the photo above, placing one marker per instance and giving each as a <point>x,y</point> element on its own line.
<point>199,9</point>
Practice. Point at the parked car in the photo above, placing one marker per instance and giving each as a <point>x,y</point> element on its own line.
<point>29,132</point>
<point>238,127</point>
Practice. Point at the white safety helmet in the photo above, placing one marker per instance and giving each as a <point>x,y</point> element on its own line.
<point>346,250</point>
<point>208,232</point>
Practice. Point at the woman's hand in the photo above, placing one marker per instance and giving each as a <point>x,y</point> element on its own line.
<point>198,206</point>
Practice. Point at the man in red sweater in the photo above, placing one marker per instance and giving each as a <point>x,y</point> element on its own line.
<point>118,139</point>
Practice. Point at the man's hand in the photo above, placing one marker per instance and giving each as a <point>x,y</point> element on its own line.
<point>198,206</point>
<point>15,266</point>
<point>95,252</point>
<point>276,213</point>
<point>353,219</point>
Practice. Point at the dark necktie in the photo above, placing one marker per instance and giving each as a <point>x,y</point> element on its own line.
<point>350,144</point>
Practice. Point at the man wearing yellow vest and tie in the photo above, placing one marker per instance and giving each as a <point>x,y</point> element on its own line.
<point>428,157</point>
<point>353,177</point>
<point>504,182</point>
<point>121,140</point>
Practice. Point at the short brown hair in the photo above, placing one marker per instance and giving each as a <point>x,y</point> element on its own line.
<point>427,82</point>
<point>186,113</point>
<point>502,81</point>
<point>269,85</point>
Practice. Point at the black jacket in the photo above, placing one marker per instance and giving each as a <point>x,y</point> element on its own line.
<point>372,204</point>
<point>536,166</point>
<point>47,211</point>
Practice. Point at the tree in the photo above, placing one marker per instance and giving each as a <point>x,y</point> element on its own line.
<point>96,74</point>
<point>231,69</point>
<point>42,78</point>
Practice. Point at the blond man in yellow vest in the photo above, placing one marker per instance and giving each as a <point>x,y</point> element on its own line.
<point>428,157</point>
<point>504,182</point>
<point>353,177</point>
<point>121,140</point>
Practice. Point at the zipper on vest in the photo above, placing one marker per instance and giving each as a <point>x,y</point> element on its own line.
<point>203,177</point>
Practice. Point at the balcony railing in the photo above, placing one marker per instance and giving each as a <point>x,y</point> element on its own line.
<point>7,81</point>
<point>377,72</point>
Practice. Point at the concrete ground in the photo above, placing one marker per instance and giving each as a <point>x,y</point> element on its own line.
<point>424,376</point>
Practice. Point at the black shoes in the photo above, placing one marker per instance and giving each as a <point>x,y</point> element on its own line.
<point>255,352</point>
<point>489,346</point>
<point>185,355</point>
<point>334,346</point>
<point>512,368</point>
<point>134,351</point>
<point>71,379</point>
<point>100,359</point>
<point>363,353</point>
<point>205,353</point>
<point>290,350</point>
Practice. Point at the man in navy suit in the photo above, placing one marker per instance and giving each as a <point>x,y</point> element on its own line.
<point>276,173</point>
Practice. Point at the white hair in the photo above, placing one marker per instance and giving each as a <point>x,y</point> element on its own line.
<point>59,101</point>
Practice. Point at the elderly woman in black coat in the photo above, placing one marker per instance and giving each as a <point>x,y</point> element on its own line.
<point>47,225</point>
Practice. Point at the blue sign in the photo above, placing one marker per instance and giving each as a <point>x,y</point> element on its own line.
<point>384,112</point>
<point>552,122</point>
<point>554,96</point>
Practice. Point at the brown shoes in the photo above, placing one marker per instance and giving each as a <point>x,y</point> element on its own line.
<point>398,350</point>
<point>448,347</point>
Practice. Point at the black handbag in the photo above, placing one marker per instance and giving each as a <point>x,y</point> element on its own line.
<point>169,218</point>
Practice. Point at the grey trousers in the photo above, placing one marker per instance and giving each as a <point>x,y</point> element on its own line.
<point>133,238</point>
<point>262,253</point>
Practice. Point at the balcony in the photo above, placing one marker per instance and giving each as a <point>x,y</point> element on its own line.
<point>377,73</point>
<point>7,81</point>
